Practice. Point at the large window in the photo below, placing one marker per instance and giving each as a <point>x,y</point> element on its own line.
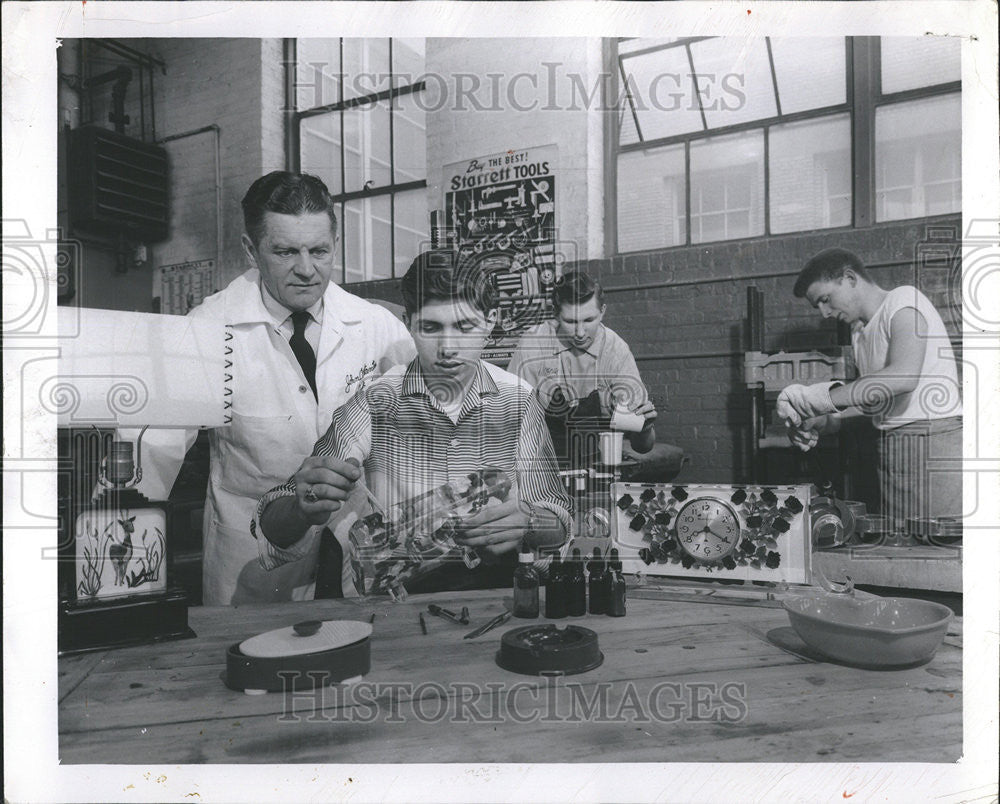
<point>359,124</point>
<point>719,139</point>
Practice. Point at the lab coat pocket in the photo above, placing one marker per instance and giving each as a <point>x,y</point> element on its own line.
<point>260,452</point>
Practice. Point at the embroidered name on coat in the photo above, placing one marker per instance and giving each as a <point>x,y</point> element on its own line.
<point>360,377</point>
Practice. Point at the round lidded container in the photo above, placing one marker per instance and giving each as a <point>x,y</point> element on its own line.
<point>539,650</point>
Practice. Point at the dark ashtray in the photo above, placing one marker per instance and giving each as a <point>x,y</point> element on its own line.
<point>541,650</point>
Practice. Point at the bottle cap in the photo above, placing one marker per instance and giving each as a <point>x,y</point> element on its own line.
<point>576,553</point>
<point>525,558</point>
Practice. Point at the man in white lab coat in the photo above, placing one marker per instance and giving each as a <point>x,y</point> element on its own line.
<point>301,347</point>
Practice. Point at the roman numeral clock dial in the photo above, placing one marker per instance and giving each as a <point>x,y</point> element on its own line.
<point>708,529</point>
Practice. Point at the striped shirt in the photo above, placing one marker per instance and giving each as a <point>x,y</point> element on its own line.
<point>407,444</point>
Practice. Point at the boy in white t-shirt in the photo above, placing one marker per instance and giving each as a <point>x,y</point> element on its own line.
<point>907,384</point>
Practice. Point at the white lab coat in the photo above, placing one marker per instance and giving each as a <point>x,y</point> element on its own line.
<point>275,422</point>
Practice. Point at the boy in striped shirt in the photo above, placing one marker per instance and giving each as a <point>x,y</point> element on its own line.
<point>446,415</point>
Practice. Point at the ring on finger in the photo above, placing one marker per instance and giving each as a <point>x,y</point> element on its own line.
<point>310,495</point>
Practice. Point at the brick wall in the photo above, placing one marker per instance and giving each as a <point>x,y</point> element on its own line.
<point>688,332</point>
<point>683,313</point>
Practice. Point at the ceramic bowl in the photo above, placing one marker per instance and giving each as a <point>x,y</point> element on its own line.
<point>871,632</point>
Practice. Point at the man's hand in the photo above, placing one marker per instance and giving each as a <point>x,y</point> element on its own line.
<point>495,529</point>
<point>796,403</point>
<point>648,412</point>
<point>321,486</point>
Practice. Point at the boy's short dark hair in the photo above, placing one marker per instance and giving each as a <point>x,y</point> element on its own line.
<point>576,287</point>
<point>441,275</point>
<point>828,266</point>
<point>287,194</point>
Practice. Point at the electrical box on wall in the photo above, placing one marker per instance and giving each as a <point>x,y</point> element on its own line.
<point>118,185</point>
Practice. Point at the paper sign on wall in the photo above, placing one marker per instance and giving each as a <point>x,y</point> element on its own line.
<point>183,286</point>
<point>500,212</point>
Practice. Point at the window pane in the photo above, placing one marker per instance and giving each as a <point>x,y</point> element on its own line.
<point>810,174</point>
<point>409,138</point>
<point>727,187</point>
<point>407,61</point>
<point>320,148</point>
<point>919,61</point>
<point>918,158</point>
<point>412,227</point>
<point>366,147</point>
<point>651,199</point>
<point>367,239</point>
<point>662,92</point>
<point>366,67</point>
<point>811,73</point>
<point>734,79</point>
<point>317,72</point>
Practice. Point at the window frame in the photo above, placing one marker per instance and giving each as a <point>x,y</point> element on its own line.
<point>293,144</point>
<point>863,95</point>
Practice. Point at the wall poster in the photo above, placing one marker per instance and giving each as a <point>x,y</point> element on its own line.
<point>500,213</point>
<point>178,288</point>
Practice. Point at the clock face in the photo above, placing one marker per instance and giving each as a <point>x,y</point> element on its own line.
<point>708,529</point>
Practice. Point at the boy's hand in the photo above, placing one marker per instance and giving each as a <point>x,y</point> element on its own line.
<point>648,411</point>
<point>495,529</point>
<point>321,486</point>
<point>802,437</point>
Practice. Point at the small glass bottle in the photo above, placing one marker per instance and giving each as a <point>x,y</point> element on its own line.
<point>525,586</point>
<point>576,586</point>
<point>616,586</point>
<point>555,590</point>
<point>598,592</point>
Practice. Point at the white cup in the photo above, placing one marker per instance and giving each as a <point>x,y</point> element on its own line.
<point>624,420</point>
<point>611,448</point>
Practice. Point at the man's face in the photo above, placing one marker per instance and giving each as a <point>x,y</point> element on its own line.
<point>449,336</point>
<point>294,257</point>
<point>836,298</point>
<point>578,324</point>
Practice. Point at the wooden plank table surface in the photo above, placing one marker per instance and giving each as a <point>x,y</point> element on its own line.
<point>680,682</point>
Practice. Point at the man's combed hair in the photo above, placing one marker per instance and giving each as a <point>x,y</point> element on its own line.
<point>441,275</point>
<point>286,194</point>
<point>828,266</point>
<point>576,287</point>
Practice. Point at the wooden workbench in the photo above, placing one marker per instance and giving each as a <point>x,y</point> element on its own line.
<point>680,682</point>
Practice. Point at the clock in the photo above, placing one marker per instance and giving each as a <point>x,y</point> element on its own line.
<point>746,533</point>
<point>708,529</point>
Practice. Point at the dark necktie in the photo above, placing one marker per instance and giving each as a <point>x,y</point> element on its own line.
<point>302,350</point>
<point>331,555</point>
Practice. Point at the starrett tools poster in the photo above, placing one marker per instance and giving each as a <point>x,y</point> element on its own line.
<point>500,213</point>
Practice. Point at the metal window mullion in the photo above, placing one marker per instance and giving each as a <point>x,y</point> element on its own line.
<point>631,104</point>
<point>919,93</point>
<point>669,46</point>
<point>774,75</point>
<point>687,193</point>
<point>767,181</point>
<point>738,128</point>
<point>613,140</point>
<point>292,121</point>
<point>694,81</point>
<point>385,189</point>
<point>365,100</point>
<point>392,169</point>
<point>865,85</point>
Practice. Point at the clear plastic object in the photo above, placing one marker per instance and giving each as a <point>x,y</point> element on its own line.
<point>387,551</point>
